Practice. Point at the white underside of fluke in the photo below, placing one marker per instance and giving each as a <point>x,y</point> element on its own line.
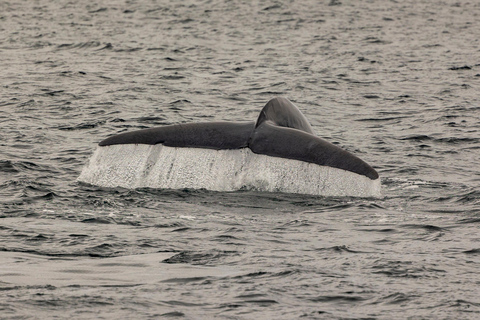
<point>157,166</point>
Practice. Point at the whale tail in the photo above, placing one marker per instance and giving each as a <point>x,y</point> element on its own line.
<point>281,139</point>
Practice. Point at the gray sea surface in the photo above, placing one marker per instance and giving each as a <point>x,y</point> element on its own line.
<point>394,82</point>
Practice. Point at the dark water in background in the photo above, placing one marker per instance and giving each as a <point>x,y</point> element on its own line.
<point>395,82</point>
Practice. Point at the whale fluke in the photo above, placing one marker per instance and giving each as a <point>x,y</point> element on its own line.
<point>280,132</point>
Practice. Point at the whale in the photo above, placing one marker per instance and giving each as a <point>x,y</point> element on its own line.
<point>279,152</point>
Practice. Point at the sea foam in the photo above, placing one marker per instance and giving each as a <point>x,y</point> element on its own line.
<point>157,166</point>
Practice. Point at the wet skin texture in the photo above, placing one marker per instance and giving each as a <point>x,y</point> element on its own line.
<point>280,131</point>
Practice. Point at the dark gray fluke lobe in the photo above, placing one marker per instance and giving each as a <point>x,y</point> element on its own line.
<point>210,135</point>
<point>281,112</point>
<point>281,131</point>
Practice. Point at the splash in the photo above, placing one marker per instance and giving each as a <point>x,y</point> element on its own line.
<point>158,166</point>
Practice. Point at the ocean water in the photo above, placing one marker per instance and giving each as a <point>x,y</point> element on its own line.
<point>394,82</point>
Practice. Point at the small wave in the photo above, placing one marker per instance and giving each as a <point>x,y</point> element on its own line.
<point>371,96</point>
<point>395,298</point>
<point>407,184</point>
<point>23,191</point>
<point>81,45</point>
<point>46,253</point>
<point>371,205</point>
<point>75,235</point>
<point>456,140</point>
<point>173,314</point>
<point>261,302</point>
<point>156,49</point>
<point>7,166</point>
<point>183,303</point>
<point>185,280</point>
<point>152,120</point>
<point>432,233</point>
<point>169,225</point>
<point>82,126</point>
<point>126,49</point>
<point>294,223</point>
<point>460,302</point>
<point>472,197</point>
<point>470,220</point>
<point>338,249</point>
<point>199,258</point>
<point>104,250</point>
<point>11,166</point>
<point>226,238</point>
<point>252,275</point>
<point>28,287</point>
<point>173,77</point>
<point>338,299</point>
<point>405,269</point>
<point>375,40</point>
<point>449,140</point>
<point>264,274</point>
<point>181,229</point>
<point>472,251</point>
<point>380,119</point>
<point>98,10</point>
<point>427,227</point>
<point>465,67</point>
<point>417,137</point>
<point>99,220</point>
<point>381,230</point>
